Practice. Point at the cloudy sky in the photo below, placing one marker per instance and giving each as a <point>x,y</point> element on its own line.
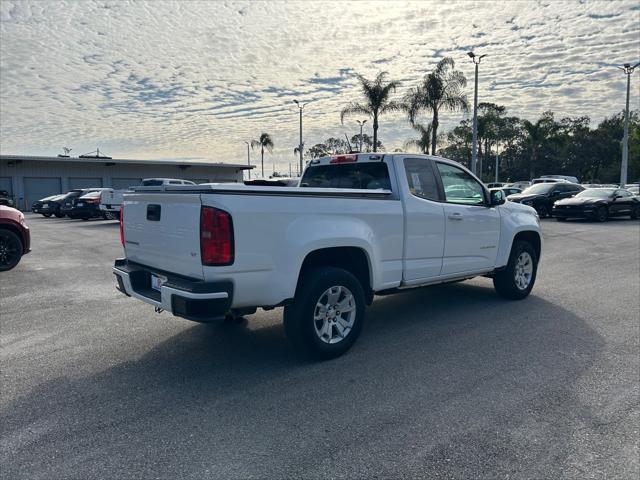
<point>190,79</point>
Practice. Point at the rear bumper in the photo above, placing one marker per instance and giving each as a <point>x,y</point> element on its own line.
<point>187,298</point>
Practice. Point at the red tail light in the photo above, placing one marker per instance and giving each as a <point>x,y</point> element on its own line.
<point>216,237</point>
<point>122,224</point>
<point>344,159</point>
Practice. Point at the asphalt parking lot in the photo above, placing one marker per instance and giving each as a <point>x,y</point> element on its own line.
<point>445,382</point>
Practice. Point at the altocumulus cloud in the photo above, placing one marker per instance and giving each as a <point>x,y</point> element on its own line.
<point>176,79</point>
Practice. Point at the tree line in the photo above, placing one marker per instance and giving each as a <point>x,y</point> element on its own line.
<point>525,149</point>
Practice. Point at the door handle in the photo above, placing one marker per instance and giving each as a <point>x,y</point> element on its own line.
<point>455,216</point>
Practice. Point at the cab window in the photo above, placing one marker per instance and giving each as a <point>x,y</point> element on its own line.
<point>421,179</point>
<point>459,186</point>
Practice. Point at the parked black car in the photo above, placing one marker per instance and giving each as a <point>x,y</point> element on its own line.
<point>87,206</point>
<point>48,206</point>
<point>70,199</point>
<point>542,196</point>
<point>598,204</point>
<point>5,199</point>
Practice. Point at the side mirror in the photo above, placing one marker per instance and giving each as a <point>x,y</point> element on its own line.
<point>497,198</point>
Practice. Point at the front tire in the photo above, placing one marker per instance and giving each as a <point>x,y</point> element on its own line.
<point>516,281</point>
<point>46,215</point>
<point>10,250</point>
<point>327,314</point>
<point>59,215</point>
<point>602,214</point>
<point>543,211</point>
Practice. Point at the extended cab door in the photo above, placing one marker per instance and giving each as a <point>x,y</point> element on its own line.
<point>423,219</point>
<point>472,229</point>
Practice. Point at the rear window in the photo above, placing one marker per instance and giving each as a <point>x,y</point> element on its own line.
<point>366,175</point>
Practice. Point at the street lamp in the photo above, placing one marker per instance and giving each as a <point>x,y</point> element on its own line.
<point>300,146</point>
<point>361,123</point>
<point>248,159</point>
<point>628,70</point>
<point>474,155</point>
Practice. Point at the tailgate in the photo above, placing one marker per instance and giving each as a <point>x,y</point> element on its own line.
<point>162,230</point>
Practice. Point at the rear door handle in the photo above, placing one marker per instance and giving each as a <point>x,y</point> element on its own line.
<point>455,216</point>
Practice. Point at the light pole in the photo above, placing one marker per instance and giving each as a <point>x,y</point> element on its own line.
<point>497,160</point>
<point>474,155</point>
<point>361,123</point>
<point>300,146</point>
<point>628,70</point>
<point>248,159</point>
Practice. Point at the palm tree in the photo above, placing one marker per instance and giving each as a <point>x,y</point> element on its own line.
<point>535,135</point>
<point>376,95</point>
<point>442,89</point>
<point>424,141</point>
<point>263,142</point>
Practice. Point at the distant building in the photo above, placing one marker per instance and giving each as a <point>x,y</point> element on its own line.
<point>30,178</point>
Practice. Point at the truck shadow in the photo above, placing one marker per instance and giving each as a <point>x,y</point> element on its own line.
<point>454,368</point>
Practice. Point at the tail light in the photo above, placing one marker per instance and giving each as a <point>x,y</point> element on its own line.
<point>122,224</point>
<point>216,237</point>
<point>92,200</point>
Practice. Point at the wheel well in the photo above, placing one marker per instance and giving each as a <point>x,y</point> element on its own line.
<point>533,238</point>
<point>352,259</point>
<point>11,228</point>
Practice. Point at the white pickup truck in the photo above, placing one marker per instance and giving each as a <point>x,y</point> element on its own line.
<point>357,225</point>
<point>111,200</point>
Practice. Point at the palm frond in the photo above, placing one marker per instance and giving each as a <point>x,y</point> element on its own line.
<point>355,108</point>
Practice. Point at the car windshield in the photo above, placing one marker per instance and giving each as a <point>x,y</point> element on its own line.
<point>596,193</point>
<point>538,188</point>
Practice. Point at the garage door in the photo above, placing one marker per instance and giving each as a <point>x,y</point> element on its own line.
<point>6,185</point>
<point>36,188</point>
<point>81,182</point>
<point>120,183</point>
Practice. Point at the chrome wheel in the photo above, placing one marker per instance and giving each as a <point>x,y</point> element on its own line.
<point>334,314</point>
<point>523,270</point>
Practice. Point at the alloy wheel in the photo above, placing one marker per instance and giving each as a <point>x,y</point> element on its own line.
<point>334,314</point>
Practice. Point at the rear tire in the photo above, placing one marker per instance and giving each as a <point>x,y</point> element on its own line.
<point>46,215</point>
<point>635,212</point>
<point>10,250</point>
<point>516,281</point>
<point>327,314</point>
<point>59,215</point>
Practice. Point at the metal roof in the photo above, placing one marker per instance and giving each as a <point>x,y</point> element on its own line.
<point>191,163</point>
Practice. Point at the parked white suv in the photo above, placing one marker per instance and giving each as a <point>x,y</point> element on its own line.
<point>357,226</point>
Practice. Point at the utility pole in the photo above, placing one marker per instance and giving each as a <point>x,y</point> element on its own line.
<point>628,70</point>
<point>474,155</point>
<point>301,144</point>
<point>361,123</point>
<point>248,159</point>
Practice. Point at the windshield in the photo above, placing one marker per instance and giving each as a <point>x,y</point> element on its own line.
<point>596,193</point>
<point>152,183</point>
<point>539,189</point>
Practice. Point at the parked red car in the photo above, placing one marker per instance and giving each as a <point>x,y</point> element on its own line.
<point>15,238</point>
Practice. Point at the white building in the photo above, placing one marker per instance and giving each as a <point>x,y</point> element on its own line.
<point>30,178</point>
